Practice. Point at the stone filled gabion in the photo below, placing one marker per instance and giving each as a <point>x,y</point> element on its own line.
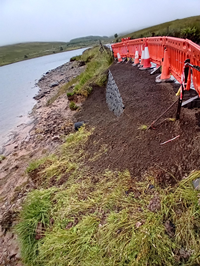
<point>113,97</point>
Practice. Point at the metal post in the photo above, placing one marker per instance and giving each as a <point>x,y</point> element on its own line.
<point>183,86</point>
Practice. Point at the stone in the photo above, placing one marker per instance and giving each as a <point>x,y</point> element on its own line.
<point>77,125</point>
<point>54,84</point>
<point>55,138</point>
<point>196,184</point>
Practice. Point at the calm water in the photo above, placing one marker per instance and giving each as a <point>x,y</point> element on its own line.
<point>17,88</point>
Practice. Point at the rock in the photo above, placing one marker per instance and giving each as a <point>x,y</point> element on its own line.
<point>56,138</point>
<point>154,204</point>
<point>18,256</point>
<point>77,125</point>
<point>39,231</point>
<point>54,84</point>
<point>39,96</point>
<point>81,63</point>
<point>13,252</point>
<point>196,184</point>
<point>170,228</point>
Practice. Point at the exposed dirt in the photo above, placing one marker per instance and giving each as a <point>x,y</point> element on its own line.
<point>129,147</point>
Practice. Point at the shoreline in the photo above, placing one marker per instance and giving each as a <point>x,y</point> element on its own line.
<point>47,85</point>
<point>46,130</point>
<point>58,52</point>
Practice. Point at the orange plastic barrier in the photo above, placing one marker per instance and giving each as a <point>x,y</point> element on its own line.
<point>169,52</point>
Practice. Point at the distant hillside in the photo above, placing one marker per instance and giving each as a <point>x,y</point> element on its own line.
<point>22,51</point>
<point>89,39</point>
<point>183,28</point>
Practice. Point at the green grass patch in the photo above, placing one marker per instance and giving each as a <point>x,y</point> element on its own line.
<point>70,94</point>
<point>35,211</point>
<point>73,106</point>
<point>97,64</point>
<point>95,74</point>
<point>108,218</point>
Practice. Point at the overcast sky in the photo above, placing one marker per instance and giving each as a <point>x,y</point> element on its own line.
<point>62,20</point>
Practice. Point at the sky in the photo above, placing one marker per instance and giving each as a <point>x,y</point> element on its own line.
<point>63,20</point>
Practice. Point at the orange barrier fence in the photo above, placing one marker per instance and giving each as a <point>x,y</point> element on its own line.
<point>169,52</point>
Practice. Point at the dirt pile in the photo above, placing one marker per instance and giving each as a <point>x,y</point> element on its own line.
<point>130,147</point>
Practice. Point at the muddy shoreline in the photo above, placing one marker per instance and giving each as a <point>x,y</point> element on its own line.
<point>46,130</point>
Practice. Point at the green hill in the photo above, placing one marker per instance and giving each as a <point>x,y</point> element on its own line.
<point>89,39</point>
<point>182,28</point>
<point>22,51</point>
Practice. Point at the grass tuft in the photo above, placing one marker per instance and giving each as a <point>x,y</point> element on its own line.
<point>143,127</point>
<point>73,106</point>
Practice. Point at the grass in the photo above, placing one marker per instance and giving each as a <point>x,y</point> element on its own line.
<point>73,106</point>
<point>143,127</point>
<point>183,28</point>
<point>95,73</point>
<point>107,218</point>
<point>2,157</point>
<point>97,63</point>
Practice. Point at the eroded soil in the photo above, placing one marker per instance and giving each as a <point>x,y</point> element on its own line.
<point>128,146</point>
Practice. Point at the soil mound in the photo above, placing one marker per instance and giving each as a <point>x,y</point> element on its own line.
<point>126,145</point>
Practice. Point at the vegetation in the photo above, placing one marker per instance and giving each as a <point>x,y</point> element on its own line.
<point>70,94</point>
<point>73,106</point>
<point>95,73</point>
<point>143,127</point>
<point>21,51</point>
<point>18,52</point>
<point>86,218</point>
<point>182,28</point>
<point>2,157</point>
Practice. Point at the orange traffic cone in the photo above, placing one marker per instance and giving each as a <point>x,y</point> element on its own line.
<point>146,60</point>
<point>119,58</point>
<point>165,67</point>
<point>142,59</point>
<point>136,61</point>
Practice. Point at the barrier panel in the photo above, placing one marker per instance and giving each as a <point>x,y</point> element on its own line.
<point>174,50</point>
